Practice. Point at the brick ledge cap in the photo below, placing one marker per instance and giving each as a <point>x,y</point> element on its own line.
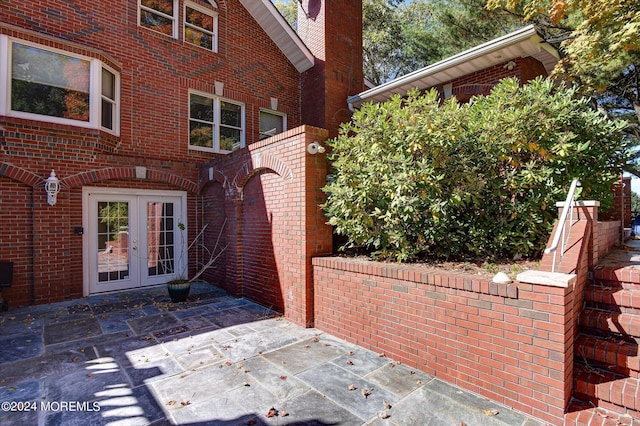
<point>552,279</point>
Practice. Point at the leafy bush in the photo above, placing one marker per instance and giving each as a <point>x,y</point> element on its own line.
<point>419,177</point>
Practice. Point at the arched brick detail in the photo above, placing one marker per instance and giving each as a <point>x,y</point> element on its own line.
<point>93,176</point>
<point>20,174</point>
<point>218,176</point>
<point>258,163</point>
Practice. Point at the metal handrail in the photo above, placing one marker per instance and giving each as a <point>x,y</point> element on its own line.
<point>568,207</point>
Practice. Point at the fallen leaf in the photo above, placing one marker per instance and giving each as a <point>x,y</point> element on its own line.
<point>385,415</point>
<point>283,377</point>
<point>493,412</point>
<point>284,413</point>
<point>74,359</point>
<point>381,354</point>
<point>315,339</point>
<point>272,412</point>
<point>349,362</point>
<point>352,387</point>
<point>386,404</point>
<point>172,402</point>
<point>246,384</point>
<point>366,392</point>
<point>228,363</point>
<point>350,353</point>
<point>307,346</point>
<point>89,374</point>
<point>252,422</point>
<point>185,403</point>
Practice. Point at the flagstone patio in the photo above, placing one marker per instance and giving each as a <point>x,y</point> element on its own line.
<point>134,358</point>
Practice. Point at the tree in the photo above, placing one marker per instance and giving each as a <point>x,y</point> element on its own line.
<point>635,202</point>
<point>463,24</point>
<point>599,41</point>
<point>289,10</point>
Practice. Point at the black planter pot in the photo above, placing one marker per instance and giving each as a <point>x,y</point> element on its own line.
<point>178,290</point>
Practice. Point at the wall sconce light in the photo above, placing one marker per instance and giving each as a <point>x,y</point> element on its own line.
<point>314,148</point>
<point>52,187</point>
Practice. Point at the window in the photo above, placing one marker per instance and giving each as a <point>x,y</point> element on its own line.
<point>215,124</point>
<point>200,26</point>
<point>51,85</point>
<point>272,123</point>
<point>159,15</point>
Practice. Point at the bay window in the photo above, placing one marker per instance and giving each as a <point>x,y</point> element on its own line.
<point>52,85</point>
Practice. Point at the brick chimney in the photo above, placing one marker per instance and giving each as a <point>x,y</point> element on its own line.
<point>332,30</point>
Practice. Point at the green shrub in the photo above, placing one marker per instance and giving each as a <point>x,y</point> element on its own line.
<point>417,177</point>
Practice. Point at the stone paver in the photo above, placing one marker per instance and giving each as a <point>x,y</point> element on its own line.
<point>134,358</point>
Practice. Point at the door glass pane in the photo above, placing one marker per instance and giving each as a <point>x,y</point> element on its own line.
<point>160,239</point>
<point>113,240</point>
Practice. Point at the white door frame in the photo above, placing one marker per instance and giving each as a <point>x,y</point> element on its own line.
<point>87,192</point>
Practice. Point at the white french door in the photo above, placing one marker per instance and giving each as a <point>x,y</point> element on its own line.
<point>132,238</point>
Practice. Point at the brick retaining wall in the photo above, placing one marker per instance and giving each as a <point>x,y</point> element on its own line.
<point>505,342</point>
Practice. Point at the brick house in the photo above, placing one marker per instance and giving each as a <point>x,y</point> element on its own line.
<point>132,103</point>
<point>158,115</point>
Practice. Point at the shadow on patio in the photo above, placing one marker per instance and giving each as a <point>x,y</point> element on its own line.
<point>132,358</point>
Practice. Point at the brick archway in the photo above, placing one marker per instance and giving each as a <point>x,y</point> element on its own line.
<point>20,174</point>
<point>110,173</point>
<point>259,163</point>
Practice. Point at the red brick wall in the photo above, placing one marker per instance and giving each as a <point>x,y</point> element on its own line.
<point>333,33</point>
<point>621,203</point>
<point>274,226</point>
<point>481,82</point>
<point>156,73</point>
<point>512,343</point>
<point>505,342</point>
<point>15,232</point>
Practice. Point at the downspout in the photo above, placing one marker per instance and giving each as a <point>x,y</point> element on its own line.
<point>32,288</point>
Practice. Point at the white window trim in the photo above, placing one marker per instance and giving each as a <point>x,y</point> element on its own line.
<point>95,88</point>
<point>174,18</point>
<point>116,100</point>
<point>213,14</point>
<point>216,122</point>
<point>273,112</point>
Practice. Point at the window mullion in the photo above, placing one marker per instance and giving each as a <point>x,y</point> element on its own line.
<point>216,124</point>
<point>5,60</point>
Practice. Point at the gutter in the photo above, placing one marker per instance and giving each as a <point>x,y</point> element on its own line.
<point>483,49</point>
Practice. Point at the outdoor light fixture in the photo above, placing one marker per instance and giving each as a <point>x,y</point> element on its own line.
<point>314,148</point>
<point>52,187</point>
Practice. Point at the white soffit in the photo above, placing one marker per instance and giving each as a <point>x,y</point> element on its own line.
<point>522,43</point>
<point>272,22</point>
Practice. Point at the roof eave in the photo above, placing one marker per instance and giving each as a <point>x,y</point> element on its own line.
<point>526,39</point>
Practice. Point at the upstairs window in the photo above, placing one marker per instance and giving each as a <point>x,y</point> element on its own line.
<point>47,84</point>
<point>272,123</point>
<point>215,124</point>
<point>159,15</point>
<point>200,26</point>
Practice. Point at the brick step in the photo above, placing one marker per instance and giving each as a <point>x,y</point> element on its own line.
<point>617,274</point>
<point>617,355</point>
<point>622,324</point>
<point>628,285</point>
<point>582,413</point>
<point>621,299</point>
<point>607,390</point>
